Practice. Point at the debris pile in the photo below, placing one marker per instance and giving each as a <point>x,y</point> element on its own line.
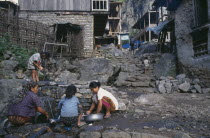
<point>180,84</point>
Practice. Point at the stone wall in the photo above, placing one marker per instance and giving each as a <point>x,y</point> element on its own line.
<point>195,67</point>
<point>83,19</point>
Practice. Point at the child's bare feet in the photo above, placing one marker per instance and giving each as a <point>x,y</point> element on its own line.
<point>80,124</point>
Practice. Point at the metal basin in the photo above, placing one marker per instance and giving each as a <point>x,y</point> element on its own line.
<point>93,117</point>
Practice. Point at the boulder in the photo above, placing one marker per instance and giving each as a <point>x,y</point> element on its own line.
<point>161,87</point>
<point>198,88</point>
<point>62,63</point>
<point>121,79</point>
<point>9,64</point>
<point>128,67</point>
<point>55,135</point>
<point>174,88</point>
<point>9,87</point>
<point>206,90</point>
<point>95,69</point>
<point>67,77</point>
<point>115,134</point>
<point>140,84</point>
<point>181,76</point>
<point>90,135</point>
<point>168,87</point>
<point>145,135</point>
<point>185,87</point>
<point>196,81</point>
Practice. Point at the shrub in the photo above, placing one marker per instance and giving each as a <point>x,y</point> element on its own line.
<point>21,54</point>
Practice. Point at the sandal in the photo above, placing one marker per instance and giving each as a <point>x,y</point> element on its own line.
<point>107,116</point>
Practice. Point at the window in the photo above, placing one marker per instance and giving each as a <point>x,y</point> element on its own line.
<point>200,42</point>
<point>201,12</point>
<point>99,5</point>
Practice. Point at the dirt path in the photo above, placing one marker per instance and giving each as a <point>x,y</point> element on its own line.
<point>173,113</point>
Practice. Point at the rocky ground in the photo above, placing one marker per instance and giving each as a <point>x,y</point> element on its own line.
<point>155,104</point>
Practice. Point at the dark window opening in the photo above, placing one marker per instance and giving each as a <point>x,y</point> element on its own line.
<point>105,5</point>
<point>201,12</point>
<point>61,33</point>
<point>200,42</point>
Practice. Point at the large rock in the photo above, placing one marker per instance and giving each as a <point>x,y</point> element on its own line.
<point>95,69</point>
<point>7,67</point>
<point>121,79</point>
<point>67,77</point>
<point>198,88</point>
<point>128,67</point>
<point>9,87</point>
<point>185,87</point>
<point>140,84</point>
<point>90,135</point>
<point>206,90</point>
<point>145,135</point>
<point>115,134</point>
<point>9,64</point>
<point>161,87</point>
<point>166,66</point>
<point>55,135</point>
<point>181,76</point>
<point>168,86</point>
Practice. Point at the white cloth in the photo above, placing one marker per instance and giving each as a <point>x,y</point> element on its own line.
<point>101,93</point>
<point>34,57</point>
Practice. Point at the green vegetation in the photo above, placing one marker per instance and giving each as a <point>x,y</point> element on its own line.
<point>19,53</point>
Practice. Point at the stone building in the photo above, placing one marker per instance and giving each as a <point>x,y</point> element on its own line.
<point>82,19</point>
<point>191,24</point>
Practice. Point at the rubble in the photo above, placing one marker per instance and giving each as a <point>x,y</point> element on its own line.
<point>185,87</point>
<point>180,84</point>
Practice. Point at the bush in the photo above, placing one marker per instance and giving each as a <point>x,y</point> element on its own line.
<point>21,54</point>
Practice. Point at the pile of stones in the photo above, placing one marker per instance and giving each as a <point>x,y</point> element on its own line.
<point>179,84</point>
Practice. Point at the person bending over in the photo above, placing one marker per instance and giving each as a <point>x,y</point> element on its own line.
<point>102,98</point>
<point>23,108</point>
<point>34,64</point>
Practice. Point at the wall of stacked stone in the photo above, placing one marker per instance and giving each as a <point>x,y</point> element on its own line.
<point>201,73</point>
<point>50,18</point>
<point>188,64</point>
<point>57,92</point>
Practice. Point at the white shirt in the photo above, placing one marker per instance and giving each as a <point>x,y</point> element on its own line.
<point>34,57</point>
<point>101,93</point>
<point>146,62</point>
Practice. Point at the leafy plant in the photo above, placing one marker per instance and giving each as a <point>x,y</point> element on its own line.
<point>21,54</point>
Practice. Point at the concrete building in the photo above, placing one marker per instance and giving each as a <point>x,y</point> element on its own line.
<point>81,18</point>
